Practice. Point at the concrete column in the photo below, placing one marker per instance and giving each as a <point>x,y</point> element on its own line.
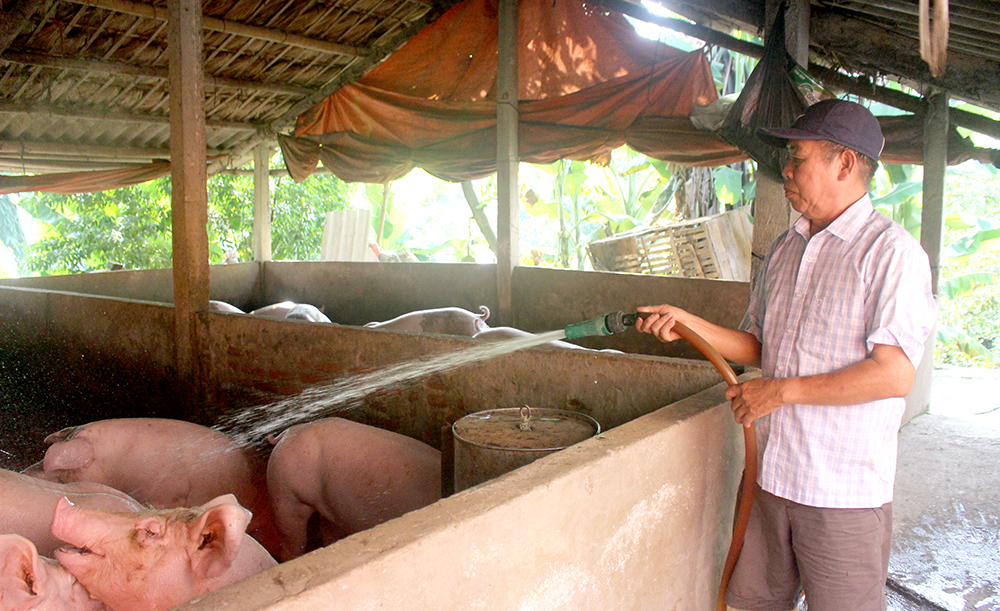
<point>189,196</point>
<point>261,203</point>
<point>935,165</point>
<point>772,214</point>
<point>508,205</point>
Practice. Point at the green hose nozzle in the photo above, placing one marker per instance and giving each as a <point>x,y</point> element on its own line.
<point>608,324</point>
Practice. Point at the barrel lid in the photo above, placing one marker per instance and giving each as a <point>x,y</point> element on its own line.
<point>525,428</point>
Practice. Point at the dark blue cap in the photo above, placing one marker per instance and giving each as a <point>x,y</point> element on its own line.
<point>847,123</point>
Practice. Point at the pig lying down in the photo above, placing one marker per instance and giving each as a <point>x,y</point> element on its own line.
<point>289,310</point>
<point>349,476</point>
<point>30,582</point>
<point>28,504</point>
<point>446,321</point>
<point>155,560</point>
<point>162,463</point>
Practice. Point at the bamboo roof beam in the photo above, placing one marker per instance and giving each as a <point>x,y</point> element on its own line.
<point>64,63</point>
<point>48,165</point>
<point>79,112</point>
<point>26,148</point>
<point>148,11</point>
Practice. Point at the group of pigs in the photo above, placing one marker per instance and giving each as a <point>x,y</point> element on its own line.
<point>445,321</point>
<point>143,514</point>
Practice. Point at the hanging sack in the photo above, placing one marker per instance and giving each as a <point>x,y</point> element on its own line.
<point>770,98</point>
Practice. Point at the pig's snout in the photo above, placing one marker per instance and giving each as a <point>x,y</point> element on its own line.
<point>69,526</point>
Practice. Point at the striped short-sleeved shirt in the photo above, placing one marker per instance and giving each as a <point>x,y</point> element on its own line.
<point>822,303</point>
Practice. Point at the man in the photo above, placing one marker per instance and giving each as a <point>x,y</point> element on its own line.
<point>837,323</point>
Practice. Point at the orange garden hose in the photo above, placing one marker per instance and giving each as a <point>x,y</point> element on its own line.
<point>749,470</point>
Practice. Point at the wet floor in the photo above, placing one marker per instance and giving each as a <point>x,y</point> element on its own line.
<point>946,510</point>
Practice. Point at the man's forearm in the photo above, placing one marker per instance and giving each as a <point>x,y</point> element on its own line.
<point>734,345</point>
<point>886,373</point>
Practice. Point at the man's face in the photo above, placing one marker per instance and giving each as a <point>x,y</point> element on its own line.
<point>810,180</point>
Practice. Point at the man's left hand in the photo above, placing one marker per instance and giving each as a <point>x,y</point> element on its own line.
<point>755,398</point>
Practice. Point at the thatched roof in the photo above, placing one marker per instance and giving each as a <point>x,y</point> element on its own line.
<point>83,83</point>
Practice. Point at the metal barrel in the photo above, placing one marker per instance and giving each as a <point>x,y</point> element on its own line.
<point>494,441</point>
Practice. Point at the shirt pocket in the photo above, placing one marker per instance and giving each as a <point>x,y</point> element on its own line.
<point>833,333</point>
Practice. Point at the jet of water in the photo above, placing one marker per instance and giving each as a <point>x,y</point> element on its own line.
<point>318,401</point>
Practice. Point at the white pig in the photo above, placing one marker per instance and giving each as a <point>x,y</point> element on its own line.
<point>446,321</point>
<point>352,475</point>
<point>27,505</point>
<point>30,582</point>
<point>163,463</point>
<point>156,560</point>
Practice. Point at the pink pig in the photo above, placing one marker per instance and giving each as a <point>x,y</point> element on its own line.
<point>352,475</point>
<point>29,582</point>
<point>27,505</point>
<point>163,463</point>
<point>158,559</point>
<point>446,321</point>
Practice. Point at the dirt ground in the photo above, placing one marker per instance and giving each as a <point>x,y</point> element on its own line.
<point>946,510</point>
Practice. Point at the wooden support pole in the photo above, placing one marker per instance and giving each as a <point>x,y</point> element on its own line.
<point>261,202</point>
<point>508,208</point>
<point>479,215</point>
<point>935,166</point>
<point>189,196</point>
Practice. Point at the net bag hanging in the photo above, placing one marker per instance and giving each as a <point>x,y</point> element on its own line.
<point>770,98</point>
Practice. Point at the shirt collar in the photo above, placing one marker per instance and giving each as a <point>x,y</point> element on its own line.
<point>845,226</point>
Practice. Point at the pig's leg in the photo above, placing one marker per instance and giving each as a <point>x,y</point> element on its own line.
<point>291,517</point>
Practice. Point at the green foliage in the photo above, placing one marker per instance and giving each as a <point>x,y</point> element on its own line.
<point>969,314</point>
<point>87,231</point>
<point>298,212</point>
<point>11,233</point>
<point>131,226</point>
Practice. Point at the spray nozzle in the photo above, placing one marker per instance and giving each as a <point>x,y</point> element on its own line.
<point>607,324</point>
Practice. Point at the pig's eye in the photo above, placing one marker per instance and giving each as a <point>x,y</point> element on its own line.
<point>146,532</point>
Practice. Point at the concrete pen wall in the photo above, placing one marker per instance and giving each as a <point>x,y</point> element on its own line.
<point>638,517</point>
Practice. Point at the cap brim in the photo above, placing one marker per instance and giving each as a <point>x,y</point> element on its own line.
<point>779,136</point>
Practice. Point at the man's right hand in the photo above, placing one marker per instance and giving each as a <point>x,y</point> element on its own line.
<point>659,321</point>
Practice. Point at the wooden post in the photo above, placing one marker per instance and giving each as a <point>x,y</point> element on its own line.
<point>508,211</point>
<point>261,203</point>
<point>189,196</point>
<point>935,166</point>
<point>772,214</point>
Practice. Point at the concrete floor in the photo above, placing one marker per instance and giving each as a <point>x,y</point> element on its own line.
<point>946,510</point>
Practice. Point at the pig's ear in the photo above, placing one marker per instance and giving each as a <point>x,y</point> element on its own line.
<point>218,532</point>
<point>60,435</point>
<point>75,453</point>
<point>21,565</point>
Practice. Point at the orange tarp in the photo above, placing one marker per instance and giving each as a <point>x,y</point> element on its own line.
<point>587,84</point>
<point>68,183</point>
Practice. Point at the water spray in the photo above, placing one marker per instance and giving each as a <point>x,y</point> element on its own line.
<point>618,322</point>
